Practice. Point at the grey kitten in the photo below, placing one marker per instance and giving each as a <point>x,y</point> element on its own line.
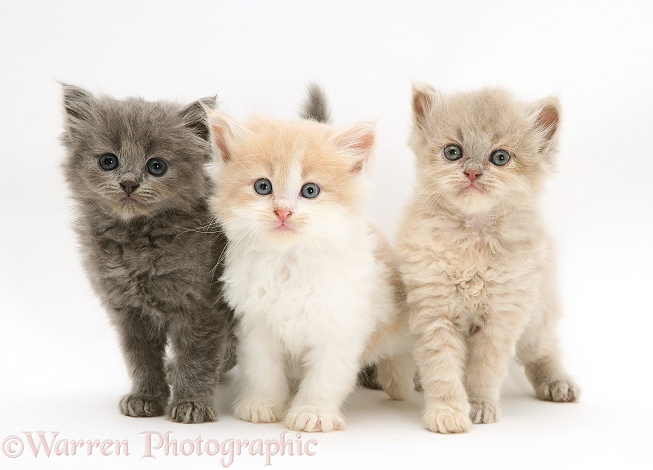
<point>136,171</point>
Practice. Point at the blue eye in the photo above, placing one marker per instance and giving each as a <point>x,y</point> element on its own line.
<point>453,152</point>
<point>108,162</point>
<point>263,186</point>
<point>156,166</point>
<point>310,190</point>
<point>500,157</point>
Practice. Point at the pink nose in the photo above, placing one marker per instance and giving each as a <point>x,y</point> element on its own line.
<point>473,174</point>
<point>283,215</point>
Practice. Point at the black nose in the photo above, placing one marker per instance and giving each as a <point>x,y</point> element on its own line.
<point>129,186</point>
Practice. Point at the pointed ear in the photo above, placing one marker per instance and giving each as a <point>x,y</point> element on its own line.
<point>356,143</point>
<point>424,96</point>
<point>224,132</point>
<point>77,102</point>
<point>194,115</point>
<point>546,120</point>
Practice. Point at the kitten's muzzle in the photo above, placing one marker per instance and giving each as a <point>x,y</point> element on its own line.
<point>129,186</point>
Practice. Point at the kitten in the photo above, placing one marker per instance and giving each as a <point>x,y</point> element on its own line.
<point>475,257</point>
<point>136,171</point>
<point>315,288</point>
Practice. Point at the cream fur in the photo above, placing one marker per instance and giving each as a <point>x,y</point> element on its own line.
<point>477,264</point>
<point>316,302</point>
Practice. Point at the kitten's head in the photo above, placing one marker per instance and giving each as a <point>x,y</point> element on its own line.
<point>286,182</point>
<point>132,157</point>
<point>482,151</point>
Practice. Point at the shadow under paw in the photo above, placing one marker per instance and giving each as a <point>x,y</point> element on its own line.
<point>142,406</point>
<point>188,411</point>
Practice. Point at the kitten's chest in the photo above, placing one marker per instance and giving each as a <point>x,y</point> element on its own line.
<point>297,296</point>
<point>144,267</point>
<point>476,261</point>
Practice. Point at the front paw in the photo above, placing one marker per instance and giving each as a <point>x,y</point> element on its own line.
<point>484,412</point>
<point>258,410</point>
<point>142,406</point>
<point>189,411</point>
<point>447,419</point>
<point>562,390</point>
<point>310,419</point>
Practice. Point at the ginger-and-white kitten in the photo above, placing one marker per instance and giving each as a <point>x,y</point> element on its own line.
<point>315,288</point>
<point>475,257</point>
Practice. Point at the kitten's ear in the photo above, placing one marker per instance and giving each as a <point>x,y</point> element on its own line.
<point>546,120</point>
<point>424,97</point>
<point>77,102</point>
<point>194,115</point>
<point>224,132</point>
<point>356,143</point>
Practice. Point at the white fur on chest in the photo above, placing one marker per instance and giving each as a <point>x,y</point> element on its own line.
<point>303,297</point>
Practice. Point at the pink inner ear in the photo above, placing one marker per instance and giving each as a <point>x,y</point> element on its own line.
<point>420,104</point>
<point>219,139</point>
<point>548,119</point>
<point>364,143</point>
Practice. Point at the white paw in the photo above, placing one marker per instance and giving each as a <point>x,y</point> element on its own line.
<point>446,419</point>
<point>309,419</point>
<point>558,390</point>
<point>258,410</point>
<point>484,412</point>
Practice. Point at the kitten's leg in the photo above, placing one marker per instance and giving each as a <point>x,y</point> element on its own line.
<point>489,350</point>
<point>440,357</point>
<point>539,351</point>
<point>199,344</point>
<point>396,375</point>
<point>264,386</point>
<point>143,345</point>
<point>330,377</point>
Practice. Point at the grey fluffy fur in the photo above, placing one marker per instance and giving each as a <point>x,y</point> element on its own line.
<point>152,260</point>
<point>316,107</point>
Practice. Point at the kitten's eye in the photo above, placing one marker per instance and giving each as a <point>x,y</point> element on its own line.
<point>156,167</point>
<point>263,186</point>
<point>500,157</point>
<point>453,152</point>
<point>310,190</point>
<point>108,162</point>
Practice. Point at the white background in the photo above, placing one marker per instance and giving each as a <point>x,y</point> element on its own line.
<point>60,365</point>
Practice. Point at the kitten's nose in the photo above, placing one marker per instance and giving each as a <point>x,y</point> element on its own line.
<point>283,215</point>
<point>473,174</point>
<point>129,186</point>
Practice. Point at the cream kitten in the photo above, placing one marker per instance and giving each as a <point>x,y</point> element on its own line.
<point>475,257</point>
<point>315,289</point>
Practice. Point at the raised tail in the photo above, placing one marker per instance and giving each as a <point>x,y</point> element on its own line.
<point>316,107</point>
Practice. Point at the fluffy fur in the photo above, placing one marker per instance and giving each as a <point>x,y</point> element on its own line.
<point>316,295</point>
<point>476,260</point>
<point>146,247</point>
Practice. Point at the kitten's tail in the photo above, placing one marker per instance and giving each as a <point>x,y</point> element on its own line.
<point>316,107</point>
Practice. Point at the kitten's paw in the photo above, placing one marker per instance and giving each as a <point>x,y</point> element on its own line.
<point>445,419</point>
<point>558,390</point>
<point>258,410</point>
<point>188,411</point>
<point>309,419</point>
<point>484,412</point>
<point>142,406</point>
